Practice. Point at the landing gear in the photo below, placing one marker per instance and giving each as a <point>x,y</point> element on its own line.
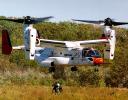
<point>96,69</point>
<point>74,68</point>
<point>51,69</point>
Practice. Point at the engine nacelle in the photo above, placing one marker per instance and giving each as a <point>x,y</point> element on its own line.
<point>110,48</point>
<point>30,42</point>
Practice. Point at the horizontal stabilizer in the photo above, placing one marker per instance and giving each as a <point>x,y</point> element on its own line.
<point>22,47</point>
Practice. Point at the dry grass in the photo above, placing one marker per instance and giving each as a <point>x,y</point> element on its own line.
<point>69,93</point>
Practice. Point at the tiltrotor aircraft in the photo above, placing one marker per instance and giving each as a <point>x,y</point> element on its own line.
<point>52,53</point>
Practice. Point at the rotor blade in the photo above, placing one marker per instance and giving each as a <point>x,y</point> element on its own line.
<point>37,20</point>
<point>29,20</point>
<point>90,21</point>
<point>44,18</point>
<point>107,22</point>
<point>14,20</point>
<point>119,23</point>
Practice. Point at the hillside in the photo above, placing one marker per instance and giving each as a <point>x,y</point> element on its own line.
<point>15,69</point>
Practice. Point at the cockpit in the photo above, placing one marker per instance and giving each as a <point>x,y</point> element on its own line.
<point>92,55</point>
<point>88,52</point>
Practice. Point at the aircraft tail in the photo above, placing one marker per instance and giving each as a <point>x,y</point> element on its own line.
<point>6,43</point>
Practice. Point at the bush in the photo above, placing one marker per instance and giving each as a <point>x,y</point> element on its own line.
<point>89,77</point>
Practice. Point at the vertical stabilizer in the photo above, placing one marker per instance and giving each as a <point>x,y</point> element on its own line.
<point>6,43</point>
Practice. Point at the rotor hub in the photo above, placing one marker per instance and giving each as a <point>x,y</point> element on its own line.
<point>27,20</point>
<point>108,22</point>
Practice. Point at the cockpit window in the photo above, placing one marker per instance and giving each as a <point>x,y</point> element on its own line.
<point>91,53</point>
<point>97,53</point>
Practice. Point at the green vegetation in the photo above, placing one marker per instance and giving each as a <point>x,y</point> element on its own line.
<point>15,69</point>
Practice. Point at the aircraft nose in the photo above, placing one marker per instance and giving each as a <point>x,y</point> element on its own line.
<point>98,61</point>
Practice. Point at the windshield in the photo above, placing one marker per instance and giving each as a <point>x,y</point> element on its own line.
<point>93,53</point>
<point>97,53</point>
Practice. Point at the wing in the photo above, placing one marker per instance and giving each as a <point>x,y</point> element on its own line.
<point>52,43</point>
<point>75,44</point>
<point>94,41</point>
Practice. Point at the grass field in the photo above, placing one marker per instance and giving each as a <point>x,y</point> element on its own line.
<point>70,93</point>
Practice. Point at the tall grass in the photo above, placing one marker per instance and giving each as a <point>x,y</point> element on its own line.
<point>26,92</point>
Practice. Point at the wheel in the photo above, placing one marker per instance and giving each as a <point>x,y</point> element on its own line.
<point>96,69</point>
<point>74,68</point>
<point>52,69</point>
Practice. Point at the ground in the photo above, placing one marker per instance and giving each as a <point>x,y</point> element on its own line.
<point>25,92</point>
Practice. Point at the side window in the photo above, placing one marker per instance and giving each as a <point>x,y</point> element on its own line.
<point>84,53</point>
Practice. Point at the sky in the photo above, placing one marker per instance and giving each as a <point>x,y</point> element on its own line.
<point>65,10</point>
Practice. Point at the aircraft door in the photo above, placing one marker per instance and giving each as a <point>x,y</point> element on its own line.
<point>75,56</point>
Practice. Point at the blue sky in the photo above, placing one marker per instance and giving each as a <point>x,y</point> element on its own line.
<point>64,10</point>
